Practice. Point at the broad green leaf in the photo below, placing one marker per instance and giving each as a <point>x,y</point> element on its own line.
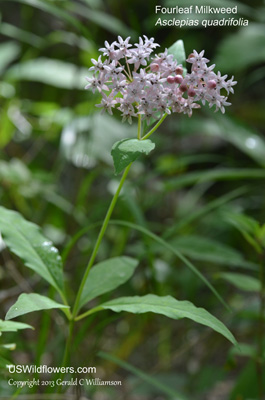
<point>106,276</point>
<point>169,307</point>
<point>26,241</point>
<point>241,281</point>
<point>126,151</point>
<point>209,250</point>
<point>27,303</point>
<point>178,51</point>
<point>11,326</point>
<point>48,71</point>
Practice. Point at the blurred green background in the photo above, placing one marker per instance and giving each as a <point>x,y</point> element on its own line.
<point>56,169</point>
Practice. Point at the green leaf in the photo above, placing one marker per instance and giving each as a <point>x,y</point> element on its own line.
<point>21,35</point>
<point>11,326</point>
<point>25,240</point>
<point>247,226</point>
<point>107,276</point>
<point>243,222</point>
<point>52,9</point>
<point>209,250</point>
<point>261,235</point>
<point>224,174</point>
<point>244,350</point>
<point>9,51</point>
<point>242,282</point>
<point>169,307</point>
<point>242,49</point>
<point>89,144</point>
<point>194,213</point>
<point>27,303</point>
<point>6,127</point>
<point>126,151</point>
<point>177,253</point>
<point>178,51</point>
<point>48,71</point>
<point>241,135</point>
<point>246,385</point>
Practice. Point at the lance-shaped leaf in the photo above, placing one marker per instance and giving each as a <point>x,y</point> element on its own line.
<point>12,326</point>
<point>242,282</point>
<point>126,151</point>
<point>169,307</point>
<point>178,51</point>
<point>107,276</point>
<point>26,241</point>
<point>27,303</point>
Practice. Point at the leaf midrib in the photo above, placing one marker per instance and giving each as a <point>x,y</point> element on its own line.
<point>216,322</point>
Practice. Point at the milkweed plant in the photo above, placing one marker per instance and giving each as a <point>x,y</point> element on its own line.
<point>147,87</point>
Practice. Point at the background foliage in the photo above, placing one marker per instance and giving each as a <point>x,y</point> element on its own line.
<point>205,172</point>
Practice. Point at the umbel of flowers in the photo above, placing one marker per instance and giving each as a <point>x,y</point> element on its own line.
<point>135,83</point>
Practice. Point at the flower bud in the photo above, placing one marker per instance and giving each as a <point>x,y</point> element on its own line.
<point>179,70</point>
<point>183,87</point>
<point>211,84</point>
<point>191,92</point>
<point>170,79</point>
<point>154,67</point>
<point>178,78</point>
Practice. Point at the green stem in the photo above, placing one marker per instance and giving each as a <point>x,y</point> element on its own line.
<point>99,239</point>
<point>67,350</point>
<point>87,313</point>
<point>155,127</point>
<point>139,127</point>
<point>73,316</point>
<point>108,215</point>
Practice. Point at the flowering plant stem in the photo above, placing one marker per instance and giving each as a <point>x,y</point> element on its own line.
<point>155,127</point>
<point>100,237</point>
<point>74,316</point>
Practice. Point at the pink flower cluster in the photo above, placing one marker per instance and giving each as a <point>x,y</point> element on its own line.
<point>134,83</point>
